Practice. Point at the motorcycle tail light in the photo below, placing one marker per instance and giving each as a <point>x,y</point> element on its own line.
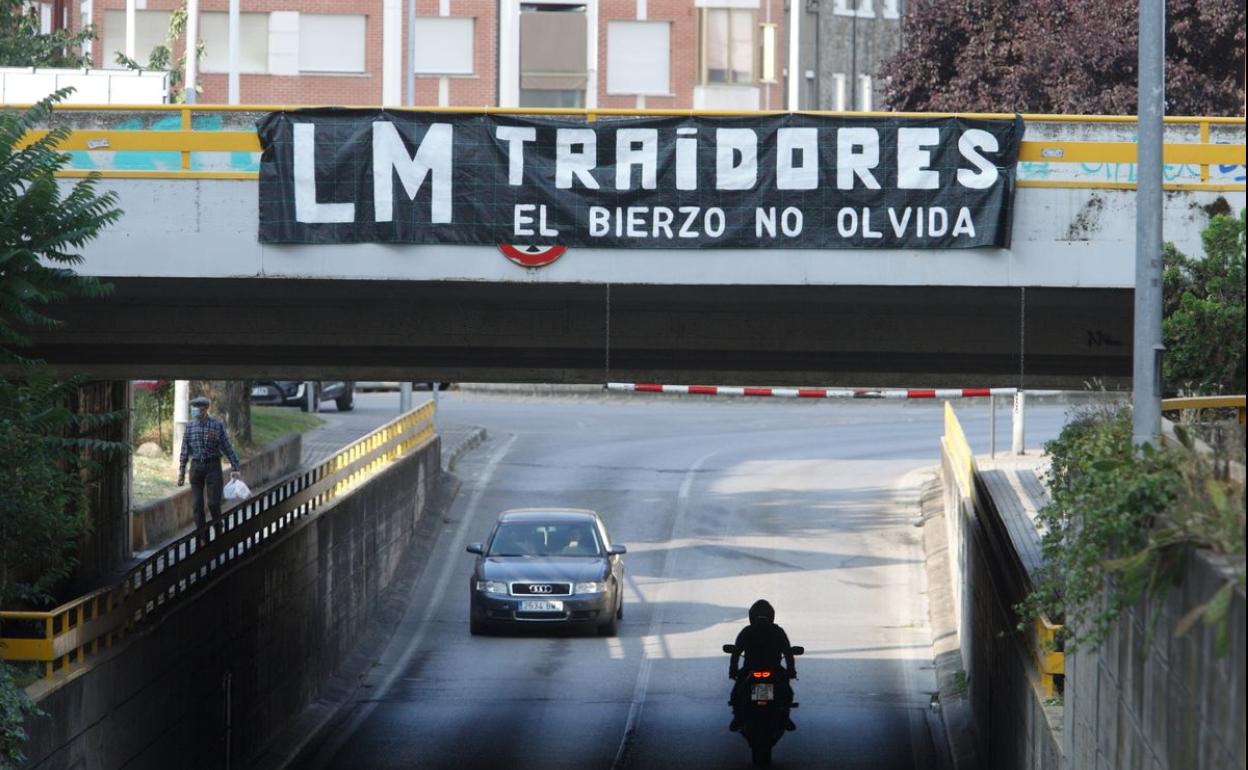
<point>762,674</point>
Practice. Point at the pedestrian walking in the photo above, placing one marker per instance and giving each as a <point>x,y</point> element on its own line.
<point>203,443</point>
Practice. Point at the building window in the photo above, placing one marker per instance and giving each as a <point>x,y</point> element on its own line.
<point>639,57</point>
<point>150,30</point>
<point>838,92</point>
<point>331,42</point>
<point>444,45</point>
<point>728,49</point>
<point>253,42</point>
<point>553,75</point>
<point>864,9</point>
<point>864,93</point>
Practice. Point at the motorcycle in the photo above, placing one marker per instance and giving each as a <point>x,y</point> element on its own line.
<point>762,712</point>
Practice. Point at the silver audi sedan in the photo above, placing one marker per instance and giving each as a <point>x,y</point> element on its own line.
<point>547,565</point>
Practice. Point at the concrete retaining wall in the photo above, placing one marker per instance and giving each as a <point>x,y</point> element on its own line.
<point>160,520</point>
<point>215,679</point>
<point>1159,701</point>
<point>1015,729</point>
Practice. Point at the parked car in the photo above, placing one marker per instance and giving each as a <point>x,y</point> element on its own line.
<point>294,393</point>
<point>547,565</point>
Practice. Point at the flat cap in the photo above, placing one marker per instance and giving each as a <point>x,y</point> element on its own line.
<point>200,401</point>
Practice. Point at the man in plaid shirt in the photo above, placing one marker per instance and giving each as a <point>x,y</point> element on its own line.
<point>203,444</point>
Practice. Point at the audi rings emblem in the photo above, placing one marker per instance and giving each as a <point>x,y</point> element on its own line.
<point>543,588</point>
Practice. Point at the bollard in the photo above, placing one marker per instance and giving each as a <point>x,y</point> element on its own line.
<point>405,396</point>
<point>311,397</point>
<point>1020,408</point>
<point>992,425</point>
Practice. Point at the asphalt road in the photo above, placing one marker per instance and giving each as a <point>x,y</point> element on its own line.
<point>808,504</point>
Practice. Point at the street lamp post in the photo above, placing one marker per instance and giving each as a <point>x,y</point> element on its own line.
<point>1149,200</point>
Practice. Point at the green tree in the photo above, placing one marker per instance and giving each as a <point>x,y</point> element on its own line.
<point>44,445</point>
<point>23,45</point>
<point>1063,56</point>
<point>1203,306</point>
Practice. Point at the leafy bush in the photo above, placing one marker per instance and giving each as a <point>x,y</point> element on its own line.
<point>1121,524</point>
<point>1203,306</point>
<point>14,708</point>
<point>44,445</point>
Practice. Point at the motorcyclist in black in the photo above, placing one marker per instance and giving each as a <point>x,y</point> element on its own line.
<point>763,644</point>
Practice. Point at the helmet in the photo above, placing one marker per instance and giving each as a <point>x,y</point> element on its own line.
<point>761,612</point>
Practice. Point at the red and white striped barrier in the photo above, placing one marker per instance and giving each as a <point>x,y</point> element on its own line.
<point>900,393</point>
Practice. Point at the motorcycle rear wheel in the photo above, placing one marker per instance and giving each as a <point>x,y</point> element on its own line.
<point>761,754</point>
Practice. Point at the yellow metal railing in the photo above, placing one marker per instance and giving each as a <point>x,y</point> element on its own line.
<point>1042,640</point>
<point>1204,402</point>
<point>960,453</point>
<point>1050,661</point>
<point>79,629</point>
<point>187,140</point>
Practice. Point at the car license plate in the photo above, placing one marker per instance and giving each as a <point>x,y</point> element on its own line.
<point>764,692</point>
<point>535,606</point>
<point>260,391</point>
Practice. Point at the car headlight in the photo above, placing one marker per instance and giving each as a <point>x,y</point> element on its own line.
<point>589,588</point>
<point>492,587</point>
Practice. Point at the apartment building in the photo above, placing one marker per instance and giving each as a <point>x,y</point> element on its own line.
<point>710,54</point>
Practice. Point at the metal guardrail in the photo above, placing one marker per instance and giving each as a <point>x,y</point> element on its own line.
<point>1204,402</point>
<point>187,140</point>
<point>1043,640</point>
<point>73,632</point>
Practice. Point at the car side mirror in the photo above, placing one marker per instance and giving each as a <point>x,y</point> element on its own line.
<point>730,648</point>
<point>617,550</point>
<point>476,548</point>
<point>797,649</point>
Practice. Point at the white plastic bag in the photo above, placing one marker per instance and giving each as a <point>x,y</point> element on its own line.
<point>235,489</point>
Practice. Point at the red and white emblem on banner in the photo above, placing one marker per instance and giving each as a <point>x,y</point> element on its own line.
<point>532,256</point>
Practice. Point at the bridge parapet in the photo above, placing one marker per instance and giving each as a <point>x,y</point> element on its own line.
<point>65,638</point>
<point>219,141</point>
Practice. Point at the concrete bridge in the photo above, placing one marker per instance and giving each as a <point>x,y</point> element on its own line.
<point>197,293</point>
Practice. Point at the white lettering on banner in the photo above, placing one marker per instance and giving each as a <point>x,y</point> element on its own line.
<point>307,210</point>
<point>791,220</point>
<point>730,175</point>
<point>969,144</point>
<point>433,157</point>
<point>569,163</point>
<point>515,137</point>
<point>851,163</point>
<point>917,161</point>
<point>656,221</point>
<point>522,219</point>
<point>686,159</point>
<point>899,227</point>
<point>964,224</point>
<point>628,154</point>
<point>797,176</point>
<point>913,160</point>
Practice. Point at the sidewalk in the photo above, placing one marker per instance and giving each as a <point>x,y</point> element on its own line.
<point>341,428</point>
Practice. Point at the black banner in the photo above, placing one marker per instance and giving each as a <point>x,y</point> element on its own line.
<point>768,181</point>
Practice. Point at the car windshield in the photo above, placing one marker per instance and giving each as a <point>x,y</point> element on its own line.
<point>525,539</point>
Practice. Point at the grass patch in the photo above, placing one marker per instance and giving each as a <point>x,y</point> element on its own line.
<point>269,423</point>
<point>157,477</point>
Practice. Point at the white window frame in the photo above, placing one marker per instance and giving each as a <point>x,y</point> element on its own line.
<point>472,42</point>
<point>755,46</point>
<point>509,50</point>
<point>224,46</point>
<point>363,67</point>
<point>622,90</point>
